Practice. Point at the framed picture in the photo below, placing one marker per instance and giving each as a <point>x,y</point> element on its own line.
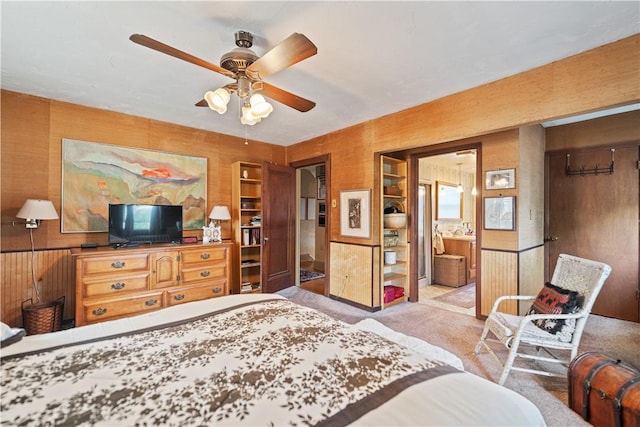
<point>322,189</point>
<point>322,220</point>
<point>500,179</point>
<point>95,174</point>
<point>500,213</point>
<point>355,213</point>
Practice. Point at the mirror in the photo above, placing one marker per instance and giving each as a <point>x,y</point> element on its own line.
<point>448,201</point>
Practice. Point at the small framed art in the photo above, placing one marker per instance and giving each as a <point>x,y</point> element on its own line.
<point>500,213</point>
<point>355,213</point>
<point>500,179</point>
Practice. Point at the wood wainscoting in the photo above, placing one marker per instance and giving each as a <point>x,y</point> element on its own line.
<point>354,274</point>
<point>54,270</point>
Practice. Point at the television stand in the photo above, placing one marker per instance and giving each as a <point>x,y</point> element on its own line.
<point>115,284</point>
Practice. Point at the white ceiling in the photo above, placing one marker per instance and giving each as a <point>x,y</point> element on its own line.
<point>374,58</point>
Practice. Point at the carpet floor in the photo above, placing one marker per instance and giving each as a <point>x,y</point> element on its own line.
<point>458,333</point>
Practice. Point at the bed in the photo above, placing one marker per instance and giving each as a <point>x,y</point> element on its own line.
<point>256,359</point>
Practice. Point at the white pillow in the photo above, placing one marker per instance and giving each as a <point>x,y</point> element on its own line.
<point>10,335</point>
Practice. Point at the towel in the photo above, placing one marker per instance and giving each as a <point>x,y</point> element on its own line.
<point>438,243</point>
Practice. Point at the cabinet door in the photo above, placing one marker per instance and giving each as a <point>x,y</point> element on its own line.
<point>472,262</point>
<point>165,270</point>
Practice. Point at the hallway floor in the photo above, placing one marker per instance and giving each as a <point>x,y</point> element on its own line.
<point>426,294</point>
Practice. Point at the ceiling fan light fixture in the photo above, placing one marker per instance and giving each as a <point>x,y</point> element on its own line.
<point>259,106</point>
<point>247,117</point>
<point>218,99</point>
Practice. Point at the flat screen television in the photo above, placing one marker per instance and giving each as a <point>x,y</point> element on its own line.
<point>134,224</point>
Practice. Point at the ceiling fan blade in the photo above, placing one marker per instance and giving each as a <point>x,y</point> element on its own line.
<point>286,98</point>
<point>166,49</point>
<point>291,50</point>
<point>202,103</point>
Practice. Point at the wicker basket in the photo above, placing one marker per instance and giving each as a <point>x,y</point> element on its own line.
<point>450,270</point>
<point>42,318</point>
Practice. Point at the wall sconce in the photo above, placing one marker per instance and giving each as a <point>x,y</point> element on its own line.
<point>213,233</point>
<point>34,211</point>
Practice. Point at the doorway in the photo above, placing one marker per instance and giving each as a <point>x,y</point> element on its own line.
<point>446,230</point>
<point>312,182</point>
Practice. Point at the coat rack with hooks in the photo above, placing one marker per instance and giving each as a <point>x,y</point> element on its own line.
<point>594,171</point>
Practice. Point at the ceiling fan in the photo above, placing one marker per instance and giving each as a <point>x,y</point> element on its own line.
<point>248,70</point>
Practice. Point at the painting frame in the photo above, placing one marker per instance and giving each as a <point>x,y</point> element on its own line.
<point>499,213</point>
<point>355,213</point>
<point>96,174</point>
<point>321,188</point>
<point>500,179</point>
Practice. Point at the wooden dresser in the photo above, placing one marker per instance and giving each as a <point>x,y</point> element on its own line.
<point>115,283</point>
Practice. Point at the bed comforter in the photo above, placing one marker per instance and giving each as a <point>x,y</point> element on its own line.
<point>240,360</point>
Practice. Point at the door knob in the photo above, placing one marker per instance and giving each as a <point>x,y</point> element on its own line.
<point>550,238</point>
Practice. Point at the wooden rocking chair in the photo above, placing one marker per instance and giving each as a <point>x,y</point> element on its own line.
<point>573,278</point>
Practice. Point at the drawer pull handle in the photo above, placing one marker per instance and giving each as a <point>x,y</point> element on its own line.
<point>99,311</point>
<point>118,286</point>
<point>205,255</point>
<point>118,264</point>
<point>151,302</point>
<point>178,297</point>
<point>217,290</point>
<point>205,273</point>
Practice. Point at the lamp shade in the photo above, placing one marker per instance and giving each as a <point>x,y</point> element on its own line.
<point>220,213</point>
<point>260,107</point>
<point>37,209</point>
<point>218,99</point>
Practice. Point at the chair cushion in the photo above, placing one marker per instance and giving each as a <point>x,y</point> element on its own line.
<point>555,300</point>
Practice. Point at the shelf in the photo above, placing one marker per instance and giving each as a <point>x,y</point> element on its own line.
<point>390,277</point>
<point>247,190</point>
<point>395,301</point>
<point>393,192</point>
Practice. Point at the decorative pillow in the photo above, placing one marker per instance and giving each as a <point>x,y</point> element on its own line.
<point>553,299</point>
<point>9,335</point>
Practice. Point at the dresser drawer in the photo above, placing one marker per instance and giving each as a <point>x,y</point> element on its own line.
<point>115,264</point>
<point>203,255</point>
<point>208,272</point>
<point>216,288</point>
<point>106,309</point>
<point>115,285</point>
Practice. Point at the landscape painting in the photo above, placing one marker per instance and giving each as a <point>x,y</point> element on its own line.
<point>95,175</point>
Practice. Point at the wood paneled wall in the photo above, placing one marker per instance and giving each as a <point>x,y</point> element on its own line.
<point>31,167</point>
<point>54,273</point>
<point>31,145</point>
<point>500,273</point>
<point>354,276</point>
